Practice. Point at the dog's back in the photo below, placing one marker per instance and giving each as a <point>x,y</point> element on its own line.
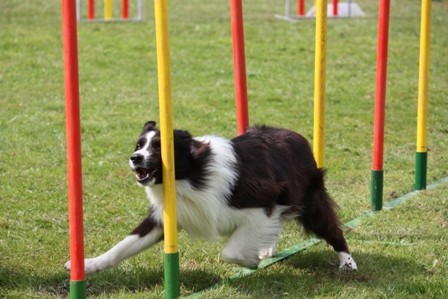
<point>276,167</point>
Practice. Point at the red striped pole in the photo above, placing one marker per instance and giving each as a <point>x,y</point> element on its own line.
<point>73,136</point>
<point>239,65</point>
<point>125,9</point>
<point>335,8</point>
<point>91,9</point>
<point>380,106</point>
<point>301,7</point>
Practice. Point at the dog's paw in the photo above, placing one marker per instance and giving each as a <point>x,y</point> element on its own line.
<point>266,252</point>
<point>346,262</point>
<point>240,259</point>
<point>91,265</point>
<point>67,266</point>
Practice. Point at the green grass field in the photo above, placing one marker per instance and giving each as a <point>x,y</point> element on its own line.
<point>401,253</point>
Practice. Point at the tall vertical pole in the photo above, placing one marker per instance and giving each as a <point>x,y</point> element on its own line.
<point>73,137</point>
<point>107,9</point>
<point>239,65</point>
<point>125,9</point>
<point>320,81</point>
<point>301,8</point>
<point>422,119</point>
<point>376,186</point>
<point>91,9</point>
<point>335,8</point>
<point>171,254</point>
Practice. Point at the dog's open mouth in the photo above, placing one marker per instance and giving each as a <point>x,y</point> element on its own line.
<point>144,175</point>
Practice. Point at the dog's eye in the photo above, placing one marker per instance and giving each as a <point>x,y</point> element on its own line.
<point>139,146</point>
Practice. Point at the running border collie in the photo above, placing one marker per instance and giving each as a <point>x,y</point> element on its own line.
<point>243,189</point>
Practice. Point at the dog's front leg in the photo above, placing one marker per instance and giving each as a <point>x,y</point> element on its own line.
<point>146,234</point>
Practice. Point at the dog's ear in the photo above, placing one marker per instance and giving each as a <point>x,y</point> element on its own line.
<point>183,135</point>
<point>199,149</point>
<point>149,125</point>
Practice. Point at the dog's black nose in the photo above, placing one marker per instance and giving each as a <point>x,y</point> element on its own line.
<point>137,158</point>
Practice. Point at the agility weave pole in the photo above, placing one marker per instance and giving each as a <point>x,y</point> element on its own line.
<point>107,10</point>
<point>73,136</point>
<point>239,65</point>
<point>171,254</point>
<point>376,185</point>
<point>300,8</point>
<point>422,114</point>
<point>319,82</point>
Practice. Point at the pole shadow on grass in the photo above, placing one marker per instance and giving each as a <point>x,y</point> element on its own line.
<point>106,283</point>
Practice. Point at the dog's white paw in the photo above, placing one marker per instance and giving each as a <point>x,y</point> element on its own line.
<point>91,265</point>
<point>67,266</point>
<point>240,258</point>
<point>346,262</point>
<point>266,252</point>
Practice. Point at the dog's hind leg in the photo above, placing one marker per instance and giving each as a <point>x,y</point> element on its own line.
<point>253,240</point>
<point>146,234</point>
<point>319,217</point>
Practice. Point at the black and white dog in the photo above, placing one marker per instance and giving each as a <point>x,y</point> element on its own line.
<point>243,188</point>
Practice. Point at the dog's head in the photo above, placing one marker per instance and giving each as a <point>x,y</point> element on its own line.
<point>146,161</point>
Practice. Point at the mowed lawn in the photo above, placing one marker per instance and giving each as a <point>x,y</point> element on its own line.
<point>401,253</point>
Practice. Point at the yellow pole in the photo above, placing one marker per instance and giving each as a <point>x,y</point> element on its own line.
<point>107,9</point>
<point>166,124</point>
<point>422,114</point>
<point>319,81</point>
<point>171,256</point>
<point>423,76</point>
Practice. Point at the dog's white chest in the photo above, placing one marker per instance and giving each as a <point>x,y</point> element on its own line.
<point>200,214</point>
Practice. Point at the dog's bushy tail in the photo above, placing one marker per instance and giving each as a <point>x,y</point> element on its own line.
<point>319,213</point>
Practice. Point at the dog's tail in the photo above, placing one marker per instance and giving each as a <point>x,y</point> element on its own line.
<point>317,180</point>
<point>319,211</point>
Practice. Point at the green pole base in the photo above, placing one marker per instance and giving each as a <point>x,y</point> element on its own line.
<point>172,280</point>
<point>421,164</point>
<point>376,190</point>
<point>78,289</point>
